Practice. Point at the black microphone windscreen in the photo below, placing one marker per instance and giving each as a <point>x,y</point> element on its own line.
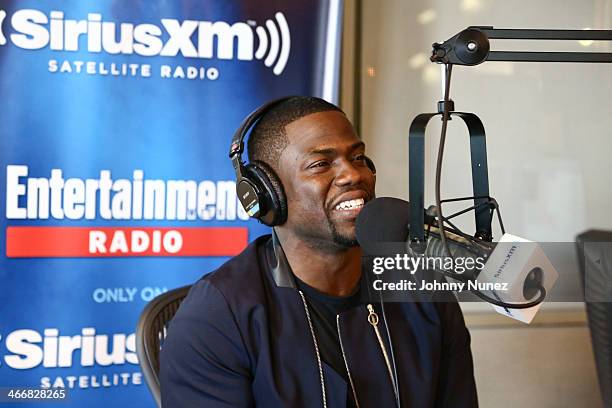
<point>384,219</point>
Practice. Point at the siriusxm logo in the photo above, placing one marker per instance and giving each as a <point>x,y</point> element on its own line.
<point>32,30</point>
<point>28,348</point>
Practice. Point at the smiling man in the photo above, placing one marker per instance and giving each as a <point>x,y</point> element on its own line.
<point>288,323</point>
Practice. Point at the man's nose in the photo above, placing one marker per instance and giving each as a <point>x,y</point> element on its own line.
<point>348,173</point>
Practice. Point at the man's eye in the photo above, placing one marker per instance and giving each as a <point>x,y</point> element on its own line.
<point>321,163</point>
<point>360,157</point>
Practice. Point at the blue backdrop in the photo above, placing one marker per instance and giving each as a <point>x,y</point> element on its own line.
<point>115,181</point>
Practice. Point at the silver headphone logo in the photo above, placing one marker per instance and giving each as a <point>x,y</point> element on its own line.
<point>275,41</point>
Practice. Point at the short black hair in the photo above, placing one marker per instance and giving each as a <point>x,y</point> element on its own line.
<point>268,138</point>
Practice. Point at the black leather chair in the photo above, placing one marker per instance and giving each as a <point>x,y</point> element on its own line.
<point>151,332</point>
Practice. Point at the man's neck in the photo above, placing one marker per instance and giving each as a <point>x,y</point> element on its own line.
<point>333,271</point>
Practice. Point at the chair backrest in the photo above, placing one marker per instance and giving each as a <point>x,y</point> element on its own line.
<point>596,273</point>
<point>151,332</point>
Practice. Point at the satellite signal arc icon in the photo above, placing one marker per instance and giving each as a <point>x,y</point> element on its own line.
<point>2,37</point>
<point>274,43</point>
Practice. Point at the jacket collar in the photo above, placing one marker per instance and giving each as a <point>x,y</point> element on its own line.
<point>281,271</point>
<point>278,263</point>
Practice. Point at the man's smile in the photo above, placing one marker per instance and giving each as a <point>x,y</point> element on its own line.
<point>348,205</point>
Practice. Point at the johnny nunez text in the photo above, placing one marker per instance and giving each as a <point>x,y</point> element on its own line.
<point>438,286</point>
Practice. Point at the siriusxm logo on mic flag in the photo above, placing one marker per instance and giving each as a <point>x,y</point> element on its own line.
<point>33,29</point>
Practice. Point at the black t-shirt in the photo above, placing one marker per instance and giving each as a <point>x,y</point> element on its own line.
<point>323,311</point>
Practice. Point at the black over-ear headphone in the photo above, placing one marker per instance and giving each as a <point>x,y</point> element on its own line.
<point>258,187</point>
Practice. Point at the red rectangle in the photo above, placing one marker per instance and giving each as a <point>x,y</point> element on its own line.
<point>69,242</point>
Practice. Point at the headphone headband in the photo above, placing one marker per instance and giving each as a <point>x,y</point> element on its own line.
<point>237,146</point>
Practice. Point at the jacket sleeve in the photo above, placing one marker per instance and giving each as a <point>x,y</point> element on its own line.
<point>203,361</point>
<point>456,385</point>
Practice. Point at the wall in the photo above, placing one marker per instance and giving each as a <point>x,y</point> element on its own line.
<point>548,125</point>
<point>548,140</point>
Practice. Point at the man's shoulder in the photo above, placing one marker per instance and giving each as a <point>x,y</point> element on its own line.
<point>241,277</point>
<point>243,268</point>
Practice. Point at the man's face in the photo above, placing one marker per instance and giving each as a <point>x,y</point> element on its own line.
<point>326,179</point>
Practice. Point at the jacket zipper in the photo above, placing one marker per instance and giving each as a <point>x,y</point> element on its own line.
<point>348,371</point>
<point>373,319</point>
<point>316,346</point>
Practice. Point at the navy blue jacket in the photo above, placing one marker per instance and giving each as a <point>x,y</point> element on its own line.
<point>242,338</point>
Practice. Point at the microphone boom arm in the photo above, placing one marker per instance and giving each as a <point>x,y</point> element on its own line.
<point>472,47</point>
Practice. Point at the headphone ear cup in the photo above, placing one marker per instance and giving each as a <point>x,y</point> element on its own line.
<point>272,189</point>
<point>370,165</point>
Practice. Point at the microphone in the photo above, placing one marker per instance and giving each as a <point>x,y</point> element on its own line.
<point>387,219</point>
<point>515,270</point>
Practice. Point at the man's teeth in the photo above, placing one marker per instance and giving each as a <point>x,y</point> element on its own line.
<point>350,204</point>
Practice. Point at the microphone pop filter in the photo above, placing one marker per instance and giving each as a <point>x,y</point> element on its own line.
<point>384,219</point>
